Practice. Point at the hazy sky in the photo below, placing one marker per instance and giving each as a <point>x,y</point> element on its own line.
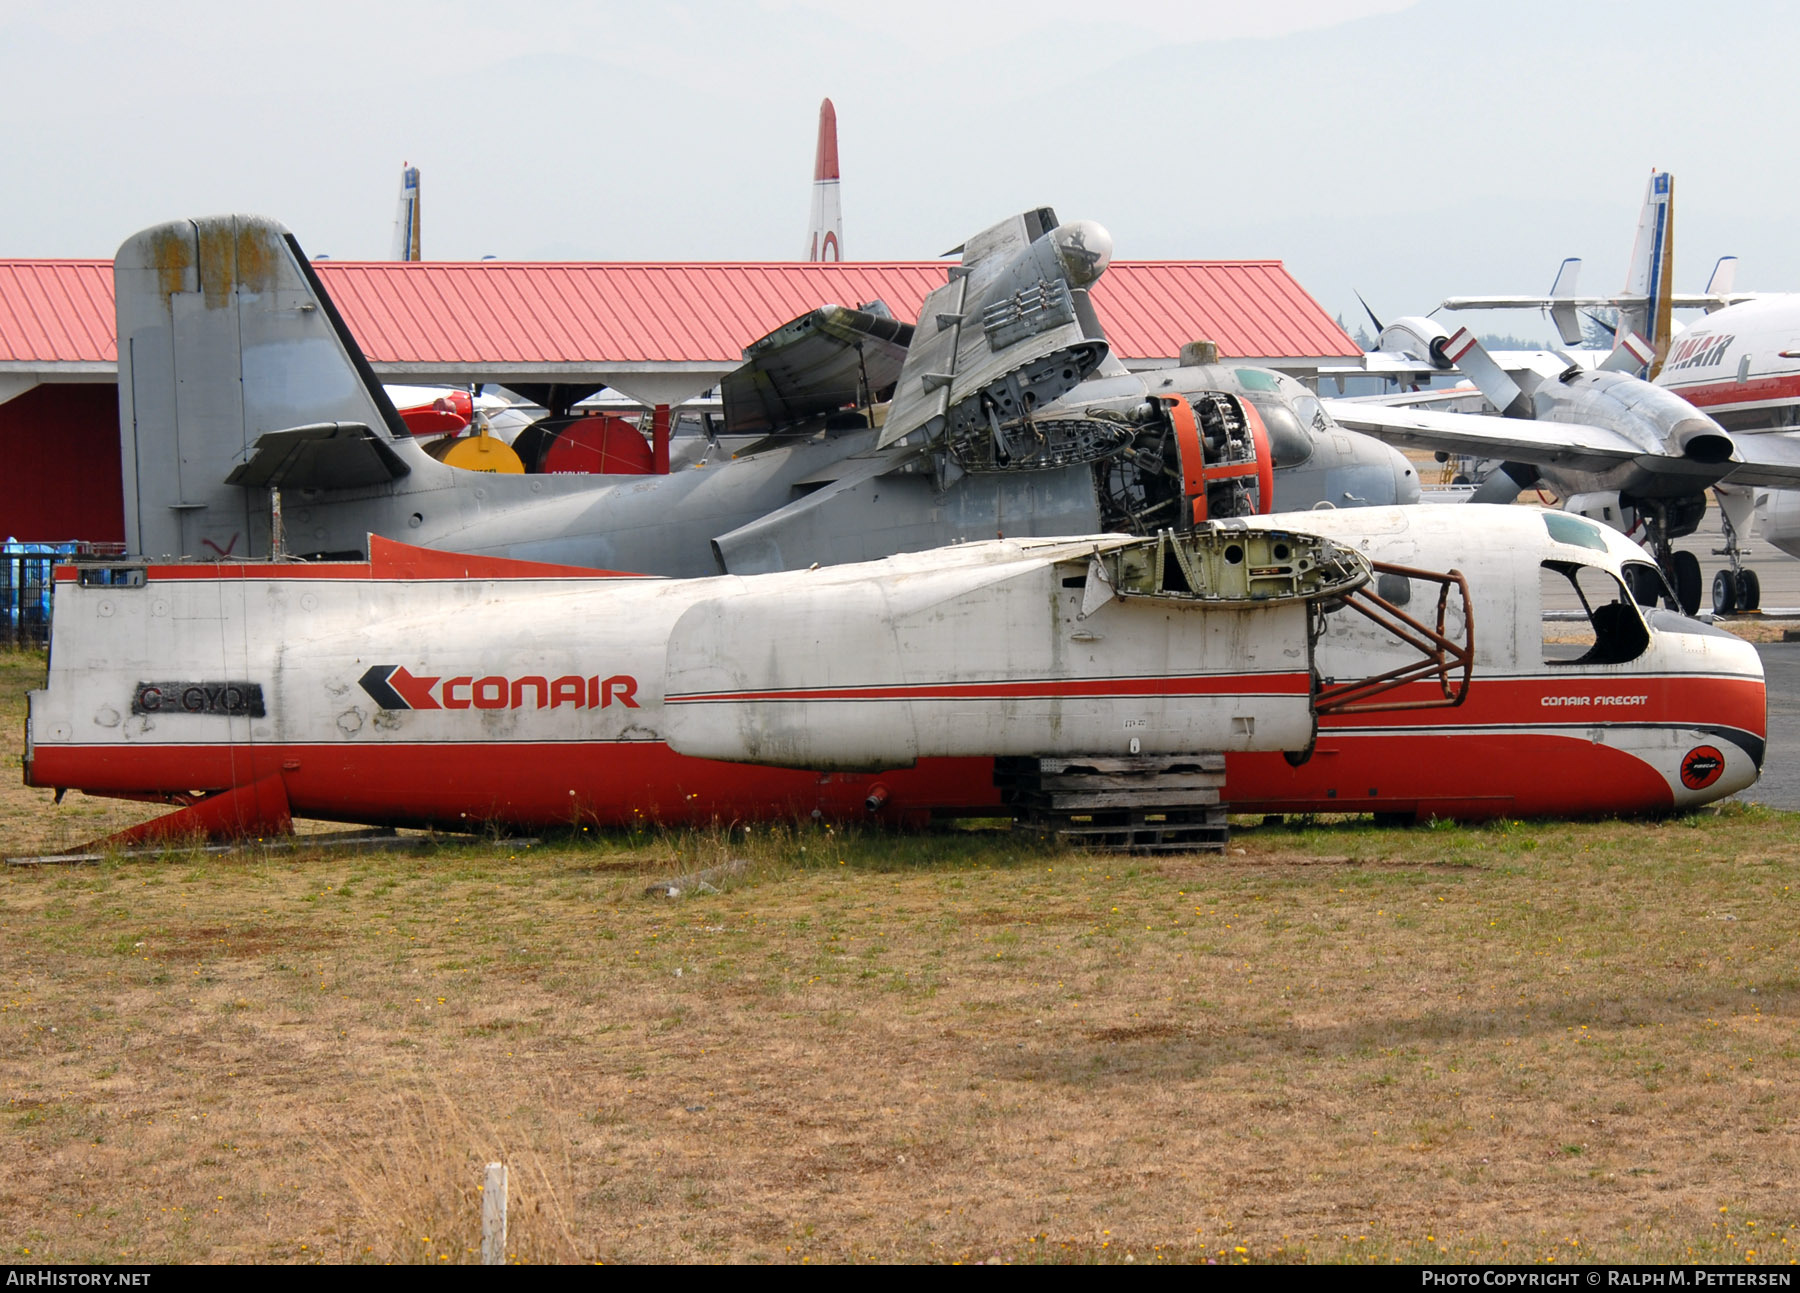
<point>1408,150</point>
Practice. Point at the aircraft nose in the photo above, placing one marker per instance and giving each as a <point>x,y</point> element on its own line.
<point>1406,478</point>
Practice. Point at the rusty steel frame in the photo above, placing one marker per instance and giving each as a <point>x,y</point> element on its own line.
<point>1441,657</point>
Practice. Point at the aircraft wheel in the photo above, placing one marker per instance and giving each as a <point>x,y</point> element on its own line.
<point>1644,584</point>
<point>1685,566</point>
<point>1749,591</point>
<point>1725,593</point>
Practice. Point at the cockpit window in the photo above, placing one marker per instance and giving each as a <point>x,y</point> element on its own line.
<point>1311,413</point>
<point>1289,443</point>
<point>1589,617</point>
<point>1576,530</point>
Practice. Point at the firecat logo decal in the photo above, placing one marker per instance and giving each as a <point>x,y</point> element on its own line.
<point>395,687</point>
<point>1701,767</point>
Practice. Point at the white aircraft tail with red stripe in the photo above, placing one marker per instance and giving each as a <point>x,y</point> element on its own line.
<point>826,240</point>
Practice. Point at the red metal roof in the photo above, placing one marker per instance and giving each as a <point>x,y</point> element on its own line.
<point>61,311</point>
<point>56,311</point>
<point>693,313</point>
<point>1151,308</point>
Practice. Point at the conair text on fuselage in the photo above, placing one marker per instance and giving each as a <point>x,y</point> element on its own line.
<point>396,687</point>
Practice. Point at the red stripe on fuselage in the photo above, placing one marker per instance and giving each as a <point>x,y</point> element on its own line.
<point>389,560</point>
<point>1271,684</point>
<point>1537,700</point>
<point>1398,755</point>
<point>1487,774</point>
<point>541,784</point>
<point>1727,392</point>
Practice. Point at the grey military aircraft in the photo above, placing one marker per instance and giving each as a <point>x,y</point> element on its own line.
<point>1616,449</point>
<point>250,419</point>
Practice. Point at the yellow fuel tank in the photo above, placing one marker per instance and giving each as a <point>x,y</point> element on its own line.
<point>476,453</point>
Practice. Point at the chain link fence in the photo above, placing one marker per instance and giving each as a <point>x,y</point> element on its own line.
<point>25,581</point>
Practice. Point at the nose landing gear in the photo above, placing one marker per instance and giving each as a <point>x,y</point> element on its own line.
<point>1737,590</point>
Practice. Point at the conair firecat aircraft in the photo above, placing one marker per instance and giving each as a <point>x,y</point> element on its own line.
<point>1382,659</point>
<point>1002,413</point>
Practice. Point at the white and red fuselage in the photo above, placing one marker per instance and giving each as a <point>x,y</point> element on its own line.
<point>420,688</point>
<point>1740,364</point>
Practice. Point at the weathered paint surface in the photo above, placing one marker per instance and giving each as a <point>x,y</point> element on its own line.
<point>212,674</point>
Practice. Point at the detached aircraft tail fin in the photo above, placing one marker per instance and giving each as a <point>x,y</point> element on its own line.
<point>826,240</point>
<point>226,335</point>
<point>406,219</point>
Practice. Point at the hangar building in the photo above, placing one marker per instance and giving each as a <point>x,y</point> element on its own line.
<point>658,334</point>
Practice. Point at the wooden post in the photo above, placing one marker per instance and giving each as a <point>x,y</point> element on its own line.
<point>493,1216</point>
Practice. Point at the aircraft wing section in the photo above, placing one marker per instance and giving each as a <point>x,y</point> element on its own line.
<point>821,362</point>
<point>1382,363</point>
<point>1567,444</point>
<point>326,455</point>
<point>1006,334</point>
<point>1462,398</point>
<point>1772,459</point>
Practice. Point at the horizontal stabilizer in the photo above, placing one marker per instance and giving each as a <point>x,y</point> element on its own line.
<point>326,455</point>
<point>1620,301</point>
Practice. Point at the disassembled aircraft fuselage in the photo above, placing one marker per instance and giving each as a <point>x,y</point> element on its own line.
<point>427,688</point>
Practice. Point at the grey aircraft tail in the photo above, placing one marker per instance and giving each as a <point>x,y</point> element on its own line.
<point>236,371</point>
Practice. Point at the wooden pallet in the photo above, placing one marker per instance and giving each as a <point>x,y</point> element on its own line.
<point>1167,804</point>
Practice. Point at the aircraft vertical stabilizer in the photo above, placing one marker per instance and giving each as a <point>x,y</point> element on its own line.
<point>1724,275</point>
<point>225,337</point>
<point>826,240</point>
<point>1562,302</point>
<point>406,220</point>
<point>1653,267</point>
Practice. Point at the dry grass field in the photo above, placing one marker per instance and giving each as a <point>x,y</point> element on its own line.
<point>1521,1042</point>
